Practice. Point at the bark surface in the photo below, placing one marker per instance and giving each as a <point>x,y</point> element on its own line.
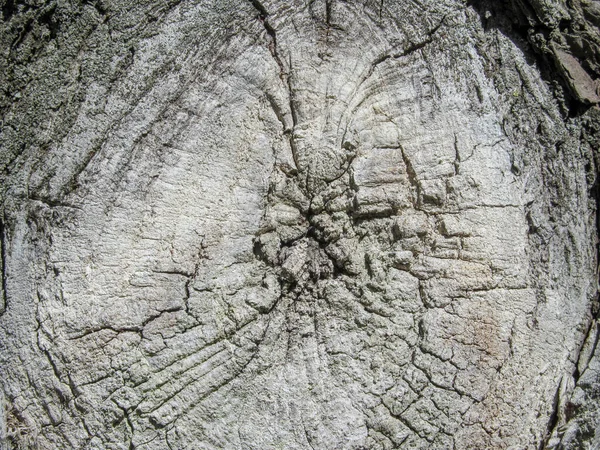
<point>243,224</point>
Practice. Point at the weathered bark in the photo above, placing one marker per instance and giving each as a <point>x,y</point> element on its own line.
<point>299,225</point>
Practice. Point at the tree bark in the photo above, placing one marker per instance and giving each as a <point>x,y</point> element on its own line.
<point>244,224</point>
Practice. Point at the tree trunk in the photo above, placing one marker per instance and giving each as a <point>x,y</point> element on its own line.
<point>233,224</point>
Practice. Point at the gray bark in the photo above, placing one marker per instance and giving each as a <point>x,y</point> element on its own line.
<point>299,225</point>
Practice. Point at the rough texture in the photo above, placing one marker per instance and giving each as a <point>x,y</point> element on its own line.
<point>299,225</point>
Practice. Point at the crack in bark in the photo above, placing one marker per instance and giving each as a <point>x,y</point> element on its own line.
<point>412,48</point>
<point>553,420</point>
<point>285,76</point>
<point>593,328</point>
<point>3,268</point>
<point>412,177</point>
<point>52,203</point>
<point>457,159</point>
<point>129,424</point>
